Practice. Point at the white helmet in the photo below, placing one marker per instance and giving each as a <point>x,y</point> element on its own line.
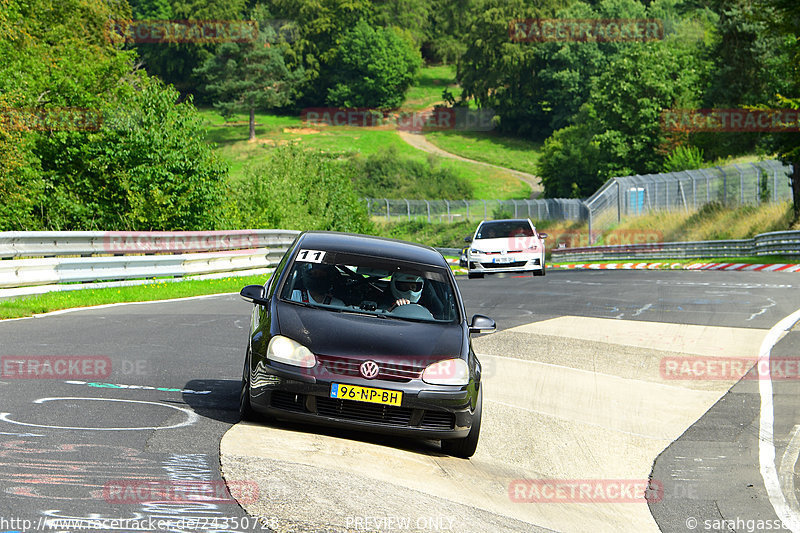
<point>406,286</point>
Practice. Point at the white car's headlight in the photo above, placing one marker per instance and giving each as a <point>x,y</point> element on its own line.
<point>285,350</point>
<point>476,251</point>
<point>447,372</point>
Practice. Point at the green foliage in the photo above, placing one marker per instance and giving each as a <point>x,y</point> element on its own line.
<point>387,174</point>
<point>250,76</point>
<point>569,163</point>
<point>685,158</point>
<point>175,63</point>
<point>147,168</point>
<point>301,190</point>
<point>320,25</point>
<point>412,16</point>
<point>372,68</point>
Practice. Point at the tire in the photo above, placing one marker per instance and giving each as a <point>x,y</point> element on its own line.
<point>474,275</point>
<point>541,272</point>
<point>465,448</point>
<point>246,412</point>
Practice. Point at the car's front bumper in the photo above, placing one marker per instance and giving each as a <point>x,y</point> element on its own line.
<point>487,263</point>
<point>426,411</point>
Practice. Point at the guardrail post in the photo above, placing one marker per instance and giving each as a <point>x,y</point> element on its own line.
<point>619,201</point>
<point>466,203</point>
<point>448,210</point>
<point>388,218</point>
<point>741,184</point>
<point>429,210</point>
<point>408,209</point>
<point>515,208</point>
<point>758,183</point>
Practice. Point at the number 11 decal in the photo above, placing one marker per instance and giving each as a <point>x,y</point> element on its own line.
<point>310,256</point>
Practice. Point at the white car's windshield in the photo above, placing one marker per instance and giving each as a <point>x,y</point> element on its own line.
<point>369,285</point>
<point>504,229</point>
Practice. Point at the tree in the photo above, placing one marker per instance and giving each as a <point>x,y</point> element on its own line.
<point>786,24</point>
<point>372,68</point>
<point>250,76</point>
<point>319,25</point>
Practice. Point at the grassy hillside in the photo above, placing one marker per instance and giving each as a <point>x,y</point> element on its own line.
<point>231,138</point>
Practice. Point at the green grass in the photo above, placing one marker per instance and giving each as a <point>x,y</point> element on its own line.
<point>158,290</point>
<point>427,92</point>
<point>517,154</point>
<point>274,130</point>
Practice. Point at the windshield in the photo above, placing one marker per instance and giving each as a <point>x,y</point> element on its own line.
<point>370,285</point>
<point>501,230</point>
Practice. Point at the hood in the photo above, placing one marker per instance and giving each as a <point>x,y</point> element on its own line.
<point>348,335</point>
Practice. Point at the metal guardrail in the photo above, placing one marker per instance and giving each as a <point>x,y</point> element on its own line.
<point>786,243</point>
<point>50,259</point>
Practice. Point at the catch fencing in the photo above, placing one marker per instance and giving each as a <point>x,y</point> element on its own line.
<point>456,210</point>
<point>732,185</point>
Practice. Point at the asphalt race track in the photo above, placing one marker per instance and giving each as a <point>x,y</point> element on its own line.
<point>586,412</point>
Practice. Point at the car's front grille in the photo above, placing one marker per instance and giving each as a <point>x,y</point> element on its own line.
<point>438,420</point>
<point>399,369</point>
<point>504,265</point>
<point>288,401</point>
<point>364,412</point>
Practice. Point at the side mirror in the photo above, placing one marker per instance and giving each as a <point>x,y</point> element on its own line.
<point>254,294</point>
<point>468,238</point>
<point>543,235</point>
<point>482,324</point>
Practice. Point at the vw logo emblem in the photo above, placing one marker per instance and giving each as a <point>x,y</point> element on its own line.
<point>369,369</point>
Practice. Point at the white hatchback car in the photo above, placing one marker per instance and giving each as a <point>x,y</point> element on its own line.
<point>510,245</point>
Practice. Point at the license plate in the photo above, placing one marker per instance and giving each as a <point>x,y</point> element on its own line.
<point>502,260</point>
<point>366,394</point>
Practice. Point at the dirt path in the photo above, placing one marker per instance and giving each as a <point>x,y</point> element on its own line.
<point>418,141</point>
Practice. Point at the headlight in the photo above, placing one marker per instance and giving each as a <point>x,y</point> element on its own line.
<point>447,372</point>
<point>474,251</point>
<point>285,350</point>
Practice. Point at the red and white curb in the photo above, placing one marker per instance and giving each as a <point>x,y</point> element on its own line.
<point>681,266</point>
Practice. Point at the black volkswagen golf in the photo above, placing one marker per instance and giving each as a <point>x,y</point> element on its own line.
<point>368,333</point>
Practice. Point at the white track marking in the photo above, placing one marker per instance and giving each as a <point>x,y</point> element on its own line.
<point>191,416</point>
<point>766,442</point>
<point>786,471</point>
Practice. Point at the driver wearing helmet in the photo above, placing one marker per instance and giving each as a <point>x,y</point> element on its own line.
<point>405,288</point>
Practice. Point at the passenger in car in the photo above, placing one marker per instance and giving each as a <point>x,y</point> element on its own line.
<point>317,286</point>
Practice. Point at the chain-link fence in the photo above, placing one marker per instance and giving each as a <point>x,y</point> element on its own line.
<point>738,184</point>
<point>455,210</point>
<point>734,185</point>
